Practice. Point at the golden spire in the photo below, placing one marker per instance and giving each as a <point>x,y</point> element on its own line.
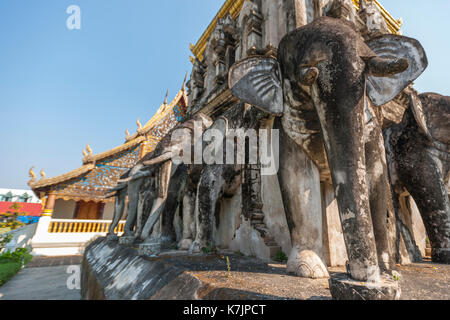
<point>43,175</point>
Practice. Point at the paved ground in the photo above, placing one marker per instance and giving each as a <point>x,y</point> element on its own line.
<point>44,279</point>
<point>54,261</point>
<point>47,278</point>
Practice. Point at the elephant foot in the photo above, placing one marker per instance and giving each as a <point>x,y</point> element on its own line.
<point>306,264</point>
<point>440,255</point>
<point>129,233</point>
<point>112,237</point>
<point>151,247</point>
<point>196,247</point>
<point>127,240</point>
<point>185,244</point>
<point>167,242</point>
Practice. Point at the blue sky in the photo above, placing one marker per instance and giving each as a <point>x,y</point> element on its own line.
<point>61,89</point>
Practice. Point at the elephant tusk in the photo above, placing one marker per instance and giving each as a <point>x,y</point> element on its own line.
<point>383,67</point>
<point>162,158</point>
<point>110,195</point>
<point>308,75</point>
<point>124,180</point>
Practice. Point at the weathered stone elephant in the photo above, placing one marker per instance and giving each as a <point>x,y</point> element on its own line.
<point>318,86</point>
<point>157,166</point>
<point>216,180</point>
<point>420,148</point>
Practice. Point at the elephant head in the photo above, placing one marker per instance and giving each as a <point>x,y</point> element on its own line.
<point>328,62</point>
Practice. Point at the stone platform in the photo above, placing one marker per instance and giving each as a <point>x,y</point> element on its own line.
<point>113,271</point>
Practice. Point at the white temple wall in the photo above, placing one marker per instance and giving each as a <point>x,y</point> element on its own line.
<point>230,220</point>
<point>275,217</point>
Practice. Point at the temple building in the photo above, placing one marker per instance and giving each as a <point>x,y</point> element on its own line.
<point>251,220</point>
<point>75,206</point>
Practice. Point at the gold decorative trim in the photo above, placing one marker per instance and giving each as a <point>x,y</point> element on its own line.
<point>162,112</point>
<point>234,7</point>
<point>64,177</point>
<point>393,25</point>
<point>90,160</point>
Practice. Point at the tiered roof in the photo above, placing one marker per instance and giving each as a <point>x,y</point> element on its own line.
<point>101,171</point>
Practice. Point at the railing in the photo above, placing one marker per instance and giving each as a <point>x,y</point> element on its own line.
<point>83,226</point>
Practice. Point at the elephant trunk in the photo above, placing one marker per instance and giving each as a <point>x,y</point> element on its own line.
<point>342,125</point>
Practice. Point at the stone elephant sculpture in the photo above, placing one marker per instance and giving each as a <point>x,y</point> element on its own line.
<point>319,86</point>
<point>158,166</point>
<point>420,148</point>
<point>216,181</point>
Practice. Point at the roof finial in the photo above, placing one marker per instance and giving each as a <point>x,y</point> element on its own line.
<point>184,82</point>
<point>167,95</point>
<point>85,153</point>
<point>32,175</point>
<point>89,150</point>
<point>127,133</point>
<point>43,175</point>
<point>138,122</point>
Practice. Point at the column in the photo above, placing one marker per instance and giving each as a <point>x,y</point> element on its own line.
<point>46,217</point>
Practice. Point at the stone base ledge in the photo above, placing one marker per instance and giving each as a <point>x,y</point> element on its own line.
<point>127,240</point>
<point>111,271</point>
<point>343,287</point>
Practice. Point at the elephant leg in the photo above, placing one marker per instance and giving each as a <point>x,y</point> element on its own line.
<point>146,198</point>
<point>300,188</point>
<point>342,125</point>
<point>188,219</point>
<point>133,198</point>
<point>380,196</point>
<point>423,179</point>
<point>119,207</point>
<point>173,201</point>
<point>210,191</point>
<point>158,205</point>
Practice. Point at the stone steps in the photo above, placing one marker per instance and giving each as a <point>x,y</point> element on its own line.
<point>257,221</point>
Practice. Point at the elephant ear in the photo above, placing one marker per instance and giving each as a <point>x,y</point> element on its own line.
<point>381,90</point>
<point>256,81</point>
